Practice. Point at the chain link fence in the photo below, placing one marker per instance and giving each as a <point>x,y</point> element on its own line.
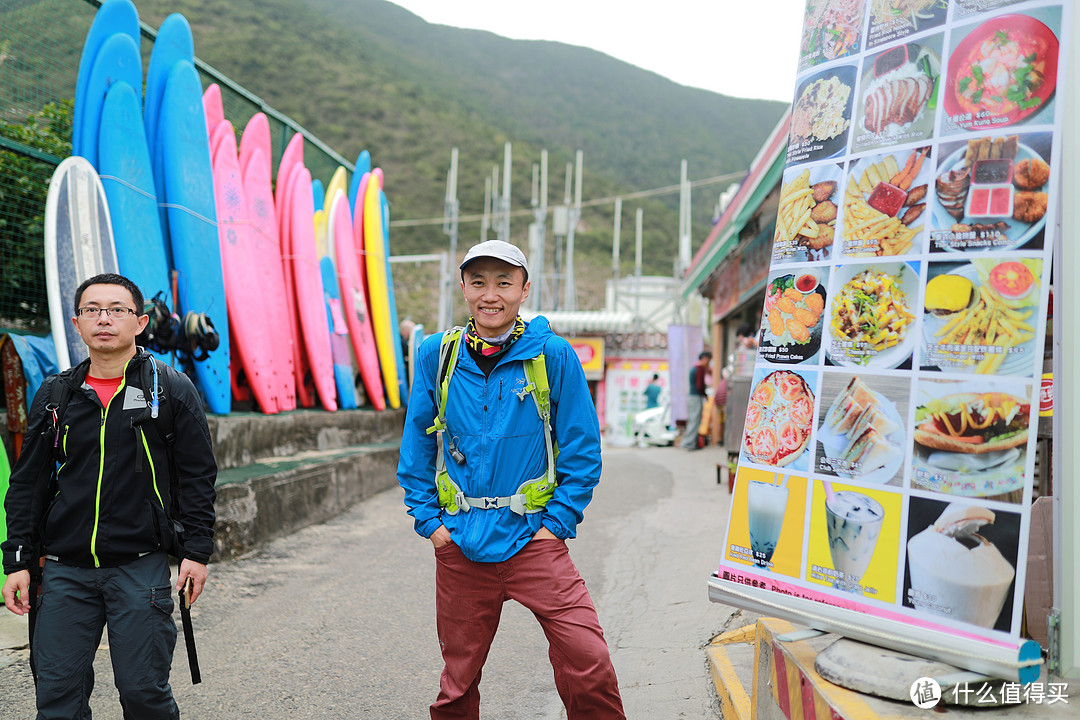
<point>41,43</point>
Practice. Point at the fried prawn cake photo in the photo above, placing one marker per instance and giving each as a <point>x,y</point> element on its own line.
<point>1031,174</point>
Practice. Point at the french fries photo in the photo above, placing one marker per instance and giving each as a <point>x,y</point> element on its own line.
<point>992,326</point>
<point>805,220</point>
<point>881,207</point>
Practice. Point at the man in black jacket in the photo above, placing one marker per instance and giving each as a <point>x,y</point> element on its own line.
<point>109,524</point>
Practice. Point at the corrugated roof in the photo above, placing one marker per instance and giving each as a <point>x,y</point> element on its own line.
<point>586,321</point>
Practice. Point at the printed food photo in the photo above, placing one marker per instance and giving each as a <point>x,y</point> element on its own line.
<point>861,432</point>
<point>808,215</point>
<point>872,314</point>
<point>978,316</point>
<point>884,204</point>
<point>971,439</point>
<point>898,95</point>
<point>992,194</point>
<point>791,320</point>
<point>821,115</point>
<point>1002,72</point>
<point>779,419</point>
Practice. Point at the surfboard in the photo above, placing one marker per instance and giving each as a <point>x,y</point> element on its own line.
<point>256,171</point>
<point>300,255</point>
<point>78,245</point>
<point>118,60</point>
<point>416,336</point>
<point>113,17</point>
<point>340,348</point>
<point>172,44</point>
<point>386,336</point>
<point>362,167</point>
<point>212,108</point>
<point>338,183</point>
<point>193,236</point>
<point>318,195</point>
<point>291,158</point>
<point>256,136</point>
<point>354,301</point>
<point>128,180</point>
<point>399,353</point>
<point>248,330</point>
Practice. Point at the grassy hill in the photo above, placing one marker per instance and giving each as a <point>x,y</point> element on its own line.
<point>367,74</point>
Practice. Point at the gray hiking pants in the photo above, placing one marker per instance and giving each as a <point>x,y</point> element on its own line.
<point>136,602</point>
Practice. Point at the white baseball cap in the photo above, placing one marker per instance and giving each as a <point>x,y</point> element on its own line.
<point>499,250</point>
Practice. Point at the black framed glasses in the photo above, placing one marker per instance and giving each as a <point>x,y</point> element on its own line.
<point>116,313</point>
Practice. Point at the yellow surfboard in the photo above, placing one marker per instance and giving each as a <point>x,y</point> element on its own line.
<point>338,181</point>
<point>378,292</point>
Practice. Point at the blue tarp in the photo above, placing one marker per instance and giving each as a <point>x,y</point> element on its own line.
<point>38,355</point>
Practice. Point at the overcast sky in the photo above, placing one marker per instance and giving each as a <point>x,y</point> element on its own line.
<point>743,48</point>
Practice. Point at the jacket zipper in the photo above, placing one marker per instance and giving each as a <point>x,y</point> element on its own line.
<point>101,466</point>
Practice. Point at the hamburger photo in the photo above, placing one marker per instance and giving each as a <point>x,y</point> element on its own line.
<point>973,423</point>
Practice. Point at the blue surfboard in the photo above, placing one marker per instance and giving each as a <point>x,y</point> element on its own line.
<point>363,166</point>
<point>318,194</point>
<point>124,166</point>
<point>399,354</point>
<point>193,232</point>
<point>340,349</point>
<point>117,61</point>
<point>114,16</point>
<point>172,44</point>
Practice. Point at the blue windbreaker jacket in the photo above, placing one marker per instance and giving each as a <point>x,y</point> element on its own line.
<point>502,438</point>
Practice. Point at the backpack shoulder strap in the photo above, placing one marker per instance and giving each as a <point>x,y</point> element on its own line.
<point>448,357</point>
<point>156,382</point>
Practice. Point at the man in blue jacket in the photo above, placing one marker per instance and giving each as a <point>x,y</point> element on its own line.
<point>497,527</point>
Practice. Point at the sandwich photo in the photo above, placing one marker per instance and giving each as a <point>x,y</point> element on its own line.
<point>861,434</point>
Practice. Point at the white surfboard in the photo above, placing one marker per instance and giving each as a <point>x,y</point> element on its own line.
<point>78,245</point>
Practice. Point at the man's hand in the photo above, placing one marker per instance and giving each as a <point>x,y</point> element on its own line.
<point>17,592</point>
<point>440,537</point>
<point>544,534</point>
<point>197,572</point>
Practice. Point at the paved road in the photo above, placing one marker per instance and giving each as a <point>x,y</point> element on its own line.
<point>337,620</point>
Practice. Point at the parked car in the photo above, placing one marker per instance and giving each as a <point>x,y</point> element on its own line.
<point>654,427</point>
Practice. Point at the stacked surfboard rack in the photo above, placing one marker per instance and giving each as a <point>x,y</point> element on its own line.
<point>279,291</point>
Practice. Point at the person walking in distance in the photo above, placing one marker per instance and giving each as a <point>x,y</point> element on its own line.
<point>499,458</point>
<point>112,516</point>
<point>652,392</point>
<point>695,400</point>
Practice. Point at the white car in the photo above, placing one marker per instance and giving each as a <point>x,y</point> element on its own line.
<point>654,427</point>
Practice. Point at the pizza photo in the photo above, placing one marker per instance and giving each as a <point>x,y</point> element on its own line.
<point>779,419</point>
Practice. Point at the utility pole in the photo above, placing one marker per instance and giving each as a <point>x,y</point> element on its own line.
<point>537,230</point>
<point>684,220</point>
<point>570,289</point>
<point>451,211</point>
<point>504,205</point>
<point>615,260</point>
<point>637,264</point>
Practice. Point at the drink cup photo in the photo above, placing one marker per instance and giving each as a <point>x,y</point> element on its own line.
<point>766,504</point>
<point>854,523</point>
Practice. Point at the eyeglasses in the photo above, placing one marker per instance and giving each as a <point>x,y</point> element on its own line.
<point>116,313</point>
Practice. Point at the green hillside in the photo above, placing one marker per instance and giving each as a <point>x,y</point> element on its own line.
<point>366,74</point>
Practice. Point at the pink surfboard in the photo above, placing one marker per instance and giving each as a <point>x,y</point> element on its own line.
<point>248,328</point>
<point>354,302</point>
<point>213,108</point>
<point>268,263</point>
<point>256,168</point>
<point>291,159</point>
<point>301,257</point>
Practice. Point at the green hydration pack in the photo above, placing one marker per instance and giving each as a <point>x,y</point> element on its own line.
<point>533,495</point>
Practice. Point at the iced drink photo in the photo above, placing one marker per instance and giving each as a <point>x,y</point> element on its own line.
<point>766,504</point>
<point>854,523</point>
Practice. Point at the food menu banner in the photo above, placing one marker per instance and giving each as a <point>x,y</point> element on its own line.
<point>888,456</point>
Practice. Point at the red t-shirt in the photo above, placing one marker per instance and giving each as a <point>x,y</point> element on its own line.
<point>105,388</point>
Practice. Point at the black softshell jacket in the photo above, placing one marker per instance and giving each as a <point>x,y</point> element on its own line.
<point>109,503</point>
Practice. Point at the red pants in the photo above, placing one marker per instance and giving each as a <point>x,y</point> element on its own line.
<point>542,577</point>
